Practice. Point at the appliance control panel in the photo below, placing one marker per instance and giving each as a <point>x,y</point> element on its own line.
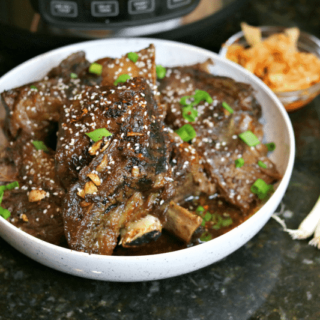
<point>108,14</point>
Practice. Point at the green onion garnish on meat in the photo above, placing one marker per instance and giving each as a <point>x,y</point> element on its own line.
<point>239,162</point>
<point>206,236</point>
<point>271,146</point>
<point>98,134</point>
<point>207,216</point>
<point>189,113</point>
<point>186,132</point>
<point>200,209</point>
<point>184,99</point>
<point>33,87</point>
<point>9,186</point>
<point>261,188</point>
<point>201,95</point>
<point>221,222</point>
<point>96,68</point>
<point>161,71</point>
<point>39,145</point>
<point>122,78</point>
<point>262,164</point>
<point>249,138</point>
<point>226,222</point>
<point>227,107</point>
<point>5,213</point>
<point>133,56</point>
<point>73,75</point>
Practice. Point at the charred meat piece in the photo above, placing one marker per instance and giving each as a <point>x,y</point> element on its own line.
<point>35,167</point>
<point>76,63</point>
<point>35,207</point>
<point>121,179</point>
<point>144,67</point>
<point>41,218</point>
<point>187,172</point>
<point>114,178</point>
<point>112,108</point>
<point>219,156</point>
<point>217,141</point>
<point>183,81</point>
<point>32,109</point>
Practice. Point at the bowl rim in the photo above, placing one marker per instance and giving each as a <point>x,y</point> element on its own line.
<point>276,29</point>
<point>160,256</point>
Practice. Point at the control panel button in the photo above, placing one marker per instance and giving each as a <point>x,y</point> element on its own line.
<point>172,4</point>
<point>141,6</point>
<point>64,9</point>
<point>104,8</point>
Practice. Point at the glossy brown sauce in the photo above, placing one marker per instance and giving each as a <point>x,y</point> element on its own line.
<point>168,243</point>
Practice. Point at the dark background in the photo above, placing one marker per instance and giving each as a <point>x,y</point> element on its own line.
<point>271,277</point>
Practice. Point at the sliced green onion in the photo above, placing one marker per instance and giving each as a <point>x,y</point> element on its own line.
<point>122,78</point>
<point>271,146</point>
<point>249,138</point>
<point>33,87</point>
<point>205,237</point>
<point>133,56</point>
<point>161,71</point>
<point>73,75</point>
<point>9,186</point>
<point>96,68</point>
<point>226,222</point>
<point>217,219</point>
<point>184,99</point>
<point>201,95</point>
<point>5,213</point>
<point>262,164</point>
<point>39,145</point>
<point>189,113</point>
<point>239,162</point>
<point>261,188</point>
<point>207,216</point>
<point>98,134</point>
<point>227,107</point>
<point>186,132</point>
<point>200,209</point>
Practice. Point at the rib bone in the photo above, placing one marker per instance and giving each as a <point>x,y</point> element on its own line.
<point>181,222</point>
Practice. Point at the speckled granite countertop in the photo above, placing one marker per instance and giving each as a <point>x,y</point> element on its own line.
<point>272,277</point>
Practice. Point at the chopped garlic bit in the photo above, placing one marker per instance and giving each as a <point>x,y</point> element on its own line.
<point>36,195</point>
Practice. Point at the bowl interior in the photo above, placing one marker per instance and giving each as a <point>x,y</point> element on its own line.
<point>114,268</point>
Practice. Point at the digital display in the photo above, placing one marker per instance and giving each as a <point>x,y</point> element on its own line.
<point>99,14</point>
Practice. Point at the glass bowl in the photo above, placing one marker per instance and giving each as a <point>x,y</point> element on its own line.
<point>291,100</point>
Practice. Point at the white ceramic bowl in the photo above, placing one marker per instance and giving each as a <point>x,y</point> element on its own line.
<point>140,268</point>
